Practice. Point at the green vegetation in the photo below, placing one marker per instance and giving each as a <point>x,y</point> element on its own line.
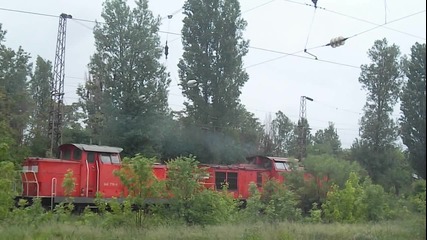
<point>412,228</point>
<point>358,209</point>
<point>374,190</point>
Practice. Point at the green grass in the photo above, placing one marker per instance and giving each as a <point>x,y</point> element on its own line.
<point>413,229</point>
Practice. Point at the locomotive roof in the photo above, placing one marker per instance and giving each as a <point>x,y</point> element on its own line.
<point>96,148</point>
<point>278,159</point>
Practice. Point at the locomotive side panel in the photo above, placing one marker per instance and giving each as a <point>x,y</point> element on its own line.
<point>109,184</point>
<point>44,177</point>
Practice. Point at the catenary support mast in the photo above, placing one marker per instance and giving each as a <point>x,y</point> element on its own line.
<point>57,87</point>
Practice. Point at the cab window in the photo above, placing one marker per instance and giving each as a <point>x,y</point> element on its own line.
<point>90,157</point>
<point>105,158</point>
<point>66,154</point>
<point>110,158</point>
<point>282,166</point>
<point>77,154</point>
<point>115,159</point>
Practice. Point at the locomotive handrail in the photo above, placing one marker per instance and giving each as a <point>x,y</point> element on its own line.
<point>52,192</point>
<point>97,176</point>
<point>28,182</point>
<point>87,178</point>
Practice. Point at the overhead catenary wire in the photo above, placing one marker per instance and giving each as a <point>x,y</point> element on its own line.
<point>385,11</point>
<point>81,24</point>
<point>284,54</point>
<point>310,28</point>
<point>357,19</point>
<point>262,49</point>
<point>261,5</point>
<point>327,44</point>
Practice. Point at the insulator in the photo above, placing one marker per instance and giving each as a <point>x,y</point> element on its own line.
<point>336,42</point>
<point>166,50</point>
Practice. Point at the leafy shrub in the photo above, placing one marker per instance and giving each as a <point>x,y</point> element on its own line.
<point>7,192</point>
<point>345,205</point>
<point>357,202</point>
<point>211,207</point>
<point>375,201</point>
<point>62,212</point>
<point>275,203</point>
<point>33,214</point>
<point>190,201</point>
<point>418,195</point>
<point>320,173</point>
<point>137,176</point>
<point>69,183</point>
<point>254,205</point>
<point>315,214</point>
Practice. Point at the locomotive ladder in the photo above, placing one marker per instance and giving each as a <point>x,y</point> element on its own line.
<point>31,180</point>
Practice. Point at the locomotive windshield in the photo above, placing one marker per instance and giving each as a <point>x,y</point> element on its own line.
<point>282,166</point>
<point>110,158</point>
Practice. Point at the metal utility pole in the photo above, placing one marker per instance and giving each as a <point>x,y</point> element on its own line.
<point>302,138</point>
<point>57,87</point>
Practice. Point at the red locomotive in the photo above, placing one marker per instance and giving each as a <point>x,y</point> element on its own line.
<point>93,168</point>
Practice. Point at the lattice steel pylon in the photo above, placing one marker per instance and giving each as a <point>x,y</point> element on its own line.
<point>57,87</point>
<point>302,138</point>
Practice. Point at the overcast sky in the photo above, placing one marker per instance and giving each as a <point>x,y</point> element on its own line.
<point>275,28</point>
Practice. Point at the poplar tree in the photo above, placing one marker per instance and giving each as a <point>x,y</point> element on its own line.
<point>132,83</point>
<point>413,107</point>
<point>14,99</point>
<point>376,149</point>
<point>214,47</point>
<point>40,92</point>
<point>212,38</point>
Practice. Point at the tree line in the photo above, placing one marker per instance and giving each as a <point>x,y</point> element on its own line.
<point>123,101</point>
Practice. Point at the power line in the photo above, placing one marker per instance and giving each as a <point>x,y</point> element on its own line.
<point>178,34</point>
<point>324,45</point>
<point>295,55</point>
<point>358,19</point>
<point>381,25</point>
<point>262,49</point>
<point>29,12</point>
<point>83,25</point>
<point>337,108</point>
<point>251,9</point>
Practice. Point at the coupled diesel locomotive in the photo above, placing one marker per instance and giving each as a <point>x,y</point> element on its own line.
<point>93,169</point>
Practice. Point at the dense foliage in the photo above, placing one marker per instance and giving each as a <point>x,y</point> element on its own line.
<point>413,107</point>
<point>214,47</point>
<point>376,149</point>
<point>124,103</point>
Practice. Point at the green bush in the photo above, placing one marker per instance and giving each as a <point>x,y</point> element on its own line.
<point>357,202</point>
<point>345,205</point>
<point>418,195</point>
<point>324,170</point>
<point>210,207</point>
<point>137,176</point>
<point>376,202</point>
<point>7,193</point>
<point>33,214</point>
<point>254,205</point>
<point>315,214</point>
<point>275,203</point>
<point>190,201</point>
